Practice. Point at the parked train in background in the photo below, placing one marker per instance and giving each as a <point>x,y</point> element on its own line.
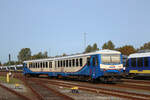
<point>105,65</point>
<point>138,64</point>
<point>12,68</point>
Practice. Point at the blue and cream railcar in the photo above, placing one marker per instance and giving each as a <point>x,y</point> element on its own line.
<point>103,64</point>
<point>139,64</point>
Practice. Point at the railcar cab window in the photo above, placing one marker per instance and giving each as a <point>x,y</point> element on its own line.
<point>133,62</point>
<point>146,62</point>
<point>140,62</point>
<point>110,59</point>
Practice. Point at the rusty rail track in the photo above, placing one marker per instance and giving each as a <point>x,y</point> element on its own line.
<point>117,93</point>
<point>14,92</point>
<point>136,81</point>
<point>44,92</point>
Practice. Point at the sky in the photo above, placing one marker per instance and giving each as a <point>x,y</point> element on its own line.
<point>58,26</point>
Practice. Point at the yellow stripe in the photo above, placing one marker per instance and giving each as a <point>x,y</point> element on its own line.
<point>143,71</point>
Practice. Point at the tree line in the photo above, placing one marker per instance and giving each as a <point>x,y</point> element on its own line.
<point>25,53</point>
<point>125,50</point>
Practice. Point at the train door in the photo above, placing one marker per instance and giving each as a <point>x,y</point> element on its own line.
<point>94,66</point>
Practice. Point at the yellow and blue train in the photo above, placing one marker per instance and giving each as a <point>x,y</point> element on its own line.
<point>105,65</point>
<point>138,64</point>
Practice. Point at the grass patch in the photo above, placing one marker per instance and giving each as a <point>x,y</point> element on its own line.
<point>11,80</point>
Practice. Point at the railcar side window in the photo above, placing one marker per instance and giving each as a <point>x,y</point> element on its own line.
<point>58,63</point>
<point>55,64</point>
<point>146,61</point>
<point>46,65</point>
<point>33,65</point>
<point>80,61</point>
<point>69,63</point>
<point>73,62</point>
<point>133,62</point>
<point>61,63</point>
<point>139,62</point>
<point>43,64</point>
<point>66,63</point>
<point>36,65</point>
<point>77,63</point>
<point>88,61</point>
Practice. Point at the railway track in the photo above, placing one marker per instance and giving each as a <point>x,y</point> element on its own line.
<point>43,92</point>
<point>102,90</point>
<point>136,81</point>
<point>19,95</point>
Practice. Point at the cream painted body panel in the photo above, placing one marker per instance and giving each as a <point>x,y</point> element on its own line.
<point>103,66</point>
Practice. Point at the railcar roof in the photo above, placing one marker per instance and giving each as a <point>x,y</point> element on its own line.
<point>138,55</point>
<point>106,51</point>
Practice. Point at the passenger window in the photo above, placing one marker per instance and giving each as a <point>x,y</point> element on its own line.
<point>36,65</point>
<point>46,65</point>
<point>66,63</point>
<point>50,64</point>
<point>88,61</point>
<point>43,64</point>
<point>58,63</point>
<point>146,61</point>
<point>140,62</point>
<point>133,62</point>
<point>55,64</point>
<point>73,62</point>
<point>69,63</point>
<point>61,63</point>
<point>77,63</point>
<point>80,61</point>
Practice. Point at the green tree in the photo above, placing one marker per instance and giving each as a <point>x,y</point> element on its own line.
<point>88,49</point>
<point>94,48</point>
<point>39,55</point>
<point>145,46</point>
<point>0,63</point>
<point>127,50</point>
<point>108,45</point>
<point>24,54</point>
<point>64,54</point>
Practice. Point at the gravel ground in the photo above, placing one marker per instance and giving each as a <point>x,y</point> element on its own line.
<point>84,95</point>
<point>21,89</point>
<point>6,95</point>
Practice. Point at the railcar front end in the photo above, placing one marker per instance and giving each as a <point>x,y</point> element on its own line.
<point>111,67</point>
